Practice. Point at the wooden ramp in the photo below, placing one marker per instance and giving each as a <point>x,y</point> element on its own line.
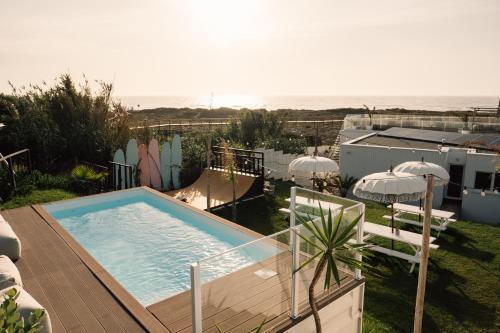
<point>221,189</point>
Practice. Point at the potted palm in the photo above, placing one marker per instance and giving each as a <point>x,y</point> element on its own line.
<point>330,240</point>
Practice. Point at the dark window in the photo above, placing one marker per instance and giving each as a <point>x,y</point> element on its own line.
<point>497,181</point>
<point>483,180</point>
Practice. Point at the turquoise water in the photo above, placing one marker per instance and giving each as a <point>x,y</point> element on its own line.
<point>148,243</point>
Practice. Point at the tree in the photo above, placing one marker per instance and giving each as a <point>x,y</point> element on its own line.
<point>230,173</point>
<point>344,184</point>
<point>331,242</point>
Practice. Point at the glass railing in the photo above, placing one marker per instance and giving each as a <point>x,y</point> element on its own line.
<point>445,123</point>
<point>240,288</point>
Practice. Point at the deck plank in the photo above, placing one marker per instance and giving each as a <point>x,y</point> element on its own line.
<point>76,292</point>
<point>73,296</point>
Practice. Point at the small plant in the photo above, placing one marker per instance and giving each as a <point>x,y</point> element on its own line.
<point>11,320</point>
<point>331,242</point>
<point>344,184</point>
<point>86,180</point>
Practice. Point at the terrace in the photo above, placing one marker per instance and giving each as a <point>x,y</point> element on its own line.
<point>81,296</point>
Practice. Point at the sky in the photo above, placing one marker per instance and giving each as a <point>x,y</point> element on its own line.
<point>256,47</point>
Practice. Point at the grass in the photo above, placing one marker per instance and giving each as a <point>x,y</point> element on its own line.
<point>36,197</point>
<point>463,278</point>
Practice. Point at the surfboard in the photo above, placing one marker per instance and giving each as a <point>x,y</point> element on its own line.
<point>154,164</point>
<point>143,168</point>
<point>132,158</point>
<point>176,161</point>
<point>165,166</point>
<point>119,171</point>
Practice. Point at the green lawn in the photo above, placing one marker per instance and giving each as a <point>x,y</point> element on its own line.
<point>37,196</point>
<point>463,288</point>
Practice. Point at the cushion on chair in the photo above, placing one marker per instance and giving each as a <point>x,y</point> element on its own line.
<point>9,274</point>
<point>9,243</point>
<point>27,304</point>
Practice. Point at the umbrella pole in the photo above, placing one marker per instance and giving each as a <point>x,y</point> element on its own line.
<point>420,208</point>
<point>392,224</point>
<point>424,257</point>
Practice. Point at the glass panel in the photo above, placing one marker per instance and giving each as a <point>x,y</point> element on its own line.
<point>248,284</point>
<point>253,283</point>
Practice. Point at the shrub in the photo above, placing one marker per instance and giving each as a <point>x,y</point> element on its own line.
<point>289,144</point>
<point>63,123</point>
<point>11,320</point>
<point>42,180</point>
<point>86,180</point>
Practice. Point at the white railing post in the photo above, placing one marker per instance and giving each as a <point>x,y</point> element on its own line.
<point>359,239</point>
<point>196,298</point>
<point>294,312</point>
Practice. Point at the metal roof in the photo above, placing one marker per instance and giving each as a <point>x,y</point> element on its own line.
<point>427,139</point>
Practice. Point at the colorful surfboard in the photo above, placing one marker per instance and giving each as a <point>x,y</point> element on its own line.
<point>132,158</point>
<point>119,171</point>
<point>165,166</point>
<point>154,164</point>
<point>143,168</point>
<point>176,161</point>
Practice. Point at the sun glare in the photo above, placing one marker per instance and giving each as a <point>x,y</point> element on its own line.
<point>224,20</point>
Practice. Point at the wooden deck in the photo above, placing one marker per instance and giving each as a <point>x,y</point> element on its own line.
<point>81,296</point>
<point>59,280</point>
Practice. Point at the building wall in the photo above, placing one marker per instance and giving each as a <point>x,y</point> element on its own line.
<point>474,206</point>
<point>344,315</point>
<point>359,161</point>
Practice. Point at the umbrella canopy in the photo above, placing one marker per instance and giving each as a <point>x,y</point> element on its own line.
<point>421,168</point>
<point>390,187</point>
<point>312,164</point>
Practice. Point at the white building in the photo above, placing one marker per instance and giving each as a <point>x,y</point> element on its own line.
<point>472,160</point>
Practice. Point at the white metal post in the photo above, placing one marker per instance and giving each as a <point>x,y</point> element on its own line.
<point>294,313</point>
<point>359,239</point>
<point>196,298</point>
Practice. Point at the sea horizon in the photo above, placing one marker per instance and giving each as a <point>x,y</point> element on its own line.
<point>430,103</point>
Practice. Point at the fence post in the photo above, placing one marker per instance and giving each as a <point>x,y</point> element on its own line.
<point>359,239</point>
<point>294,313</point>
<point>196,298</point>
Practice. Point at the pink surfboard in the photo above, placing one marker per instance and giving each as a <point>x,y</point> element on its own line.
<point>144,172</point>
<point>154,164</point>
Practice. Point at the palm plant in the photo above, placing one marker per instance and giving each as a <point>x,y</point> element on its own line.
<point>344,184</point>
<point>230,173</point>
<point>330,240</point>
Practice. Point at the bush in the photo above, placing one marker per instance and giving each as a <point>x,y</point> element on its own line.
<point>87,181</point>
<point>289,144</point>
<point>11,320</point>
<point>63,123</point>
<point>42,180</point>
<point>6,186</point>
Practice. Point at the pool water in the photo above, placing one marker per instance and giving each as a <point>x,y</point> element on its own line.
<point>148,243</point>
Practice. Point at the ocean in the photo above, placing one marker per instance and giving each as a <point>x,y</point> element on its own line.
<point>431,103</point>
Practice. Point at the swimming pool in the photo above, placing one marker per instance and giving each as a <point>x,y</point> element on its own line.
<point>147,242</point>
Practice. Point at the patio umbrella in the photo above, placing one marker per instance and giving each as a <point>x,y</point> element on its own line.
<point>390,187</point>
<point>312,165</point>
<point>421,168</point>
